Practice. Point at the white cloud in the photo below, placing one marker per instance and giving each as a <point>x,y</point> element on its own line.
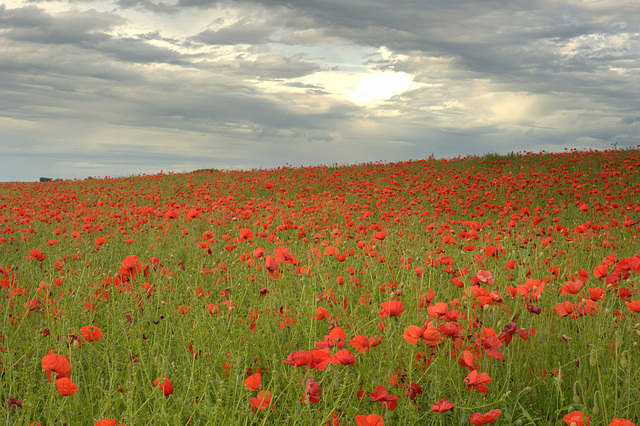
<point>382,86</point>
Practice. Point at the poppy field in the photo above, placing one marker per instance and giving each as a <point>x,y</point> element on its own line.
<point>475,290</point>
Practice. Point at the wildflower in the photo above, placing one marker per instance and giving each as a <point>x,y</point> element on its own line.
<point>262,401</point>
<point>13,403</point>
<point>442,406</point>
<point>66,387</point>
<point>344,357</point>
<point>634,306</point>
<point>360,343</point>
<point>571,287</point>
<point>477,381</point>
<point>56,363</point>
<point>312,392</point>
<point>253,382</point>
<point>413,391</point>
<point>370,420</point>
<point>576,418</point>
<point>393,308</point>
<point>37,254</point>
<point>167,386</point>
<point>381,395</point>
<point>483,419</point>
<point>91,333</point>
<point>621,422</point>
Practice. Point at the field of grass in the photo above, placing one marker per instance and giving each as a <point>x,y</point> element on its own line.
<point>495,289</point>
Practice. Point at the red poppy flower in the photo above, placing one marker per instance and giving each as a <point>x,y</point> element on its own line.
<point>483,419</point>
<point>299,358</point>
<point>634,306</point>
<point>253,382</point>
<point>577,418</point>
<point>360,343</point>
<point>91,333</point>
<point>437,310</point>
<point>412,334</point>
<point>393,308</point>
<point>312,392</point>
<point>596,294</point>
<point>381,395</point>
<point>477,381</point>
<point>431,335</point>
<point>245,234</point>
<point>105,422</point>
<point>38,255</point>
<point>413,391</point>
<point>621,422</point>
<point>343,357</point>
<point>167,386</point>
<point>262,401</point>
<point>56,363</point>
<point>66,387</point>
<point>370,420</point>
<point>13,403</point>
<point>571,287</point>
<point>442,406</point>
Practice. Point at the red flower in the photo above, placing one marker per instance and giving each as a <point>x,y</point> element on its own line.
<point>430,335</point>
<point>91,333</point>
<point>577,418</point>
<point>253,382</point>
<point>167,387</point>
<point>412,334</point>
<point>56,363</point>
<point>483,419</point>
<point>343,357</point>
<point>370,420</point>
<point>262,401</point>
<point>13,403</point>
<point>312,392</point>
<point>37,254</point>
<point>66,387</point>
<point>360,343</point>
<point>442,406</point>
<point>634,306</point>
<point>381,395</point>
<point>571,287</point>
<point>393,308</point>
<point>621,422</point>
<point>131,266</point>
<point>477,381</point>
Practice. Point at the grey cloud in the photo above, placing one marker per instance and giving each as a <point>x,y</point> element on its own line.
<point>35,25</point>
<point>151,6</point>
<point>241,32</point>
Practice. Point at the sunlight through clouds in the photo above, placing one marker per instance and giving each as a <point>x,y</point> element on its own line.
<point>382,86</point>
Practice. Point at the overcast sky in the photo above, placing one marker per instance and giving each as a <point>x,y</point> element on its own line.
<point>101,88</point>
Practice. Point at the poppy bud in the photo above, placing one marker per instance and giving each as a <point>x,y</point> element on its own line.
<point>624,363</point>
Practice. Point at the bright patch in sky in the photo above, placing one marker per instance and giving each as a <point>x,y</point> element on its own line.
<point>380,87</point>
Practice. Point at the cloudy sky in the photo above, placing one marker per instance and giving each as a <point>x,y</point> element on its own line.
<point>117,88</point>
